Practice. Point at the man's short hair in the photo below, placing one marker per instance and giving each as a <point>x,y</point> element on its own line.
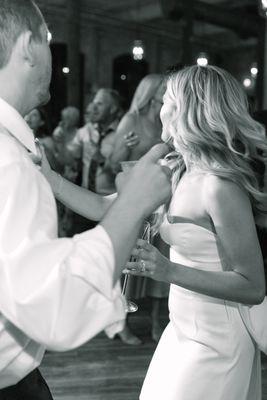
<point>17,16</point>
<point>116,99</point>
<point>115,96</point>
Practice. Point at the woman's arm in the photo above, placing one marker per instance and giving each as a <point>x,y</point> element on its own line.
<point>121,149</point>
<point>230,210</point>
<point>80,200</point>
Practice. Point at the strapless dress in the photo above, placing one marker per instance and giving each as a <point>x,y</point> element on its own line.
<point>205,352</point>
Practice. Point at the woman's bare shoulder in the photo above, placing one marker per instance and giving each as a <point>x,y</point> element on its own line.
<point>223,192</point>
<point>128,121</point>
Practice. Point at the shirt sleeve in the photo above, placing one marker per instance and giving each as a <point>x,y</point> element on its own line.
<point>59,292</point>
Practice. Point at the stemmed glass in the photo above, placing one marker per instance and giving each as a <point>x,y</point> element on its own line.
<point>170,161</point>
<point>130,306</point>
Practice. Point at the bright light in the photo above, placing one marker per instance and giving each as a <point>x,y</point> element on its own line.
<point>49,36</point>
<point>263,8</point>
<point>254,71</point>
<point>202,60</point>
<point>138,50</point>
<point>65,70</point>
<point>247,82</point>
<point>123,77</point>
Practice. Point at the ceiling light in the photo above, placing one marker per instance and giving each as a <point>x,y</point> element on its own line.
<point>202,60</point>
<point>138,50</point>
<point>247,82</point>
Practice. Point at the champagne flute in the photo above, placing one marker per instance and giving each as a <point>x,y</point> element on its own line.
<point>130,306</point>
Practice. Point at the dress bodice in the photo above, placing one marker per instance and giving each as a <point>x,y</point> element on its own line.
<point>192,245</point>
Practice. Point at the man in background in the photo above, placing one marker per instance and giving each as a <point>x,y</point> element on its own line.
<point>96,141</point>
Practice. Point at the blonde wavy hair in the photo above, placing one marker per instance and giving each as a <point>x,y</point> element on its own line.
<point>210,126</point>
<point>145,92</point>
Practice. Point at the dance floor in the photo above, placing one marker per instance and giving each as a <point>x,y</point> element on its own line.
<point>105,369</point>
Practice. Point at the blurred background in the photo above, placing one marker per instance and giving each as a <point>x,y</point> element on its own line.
<point>114,43</point>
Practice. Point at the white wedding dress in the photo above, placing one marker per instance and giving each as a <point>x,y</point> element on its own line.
<point>205,352</point>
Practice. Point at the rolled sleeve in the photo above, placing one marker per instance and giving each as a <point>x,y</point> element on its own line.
<point>57,291</point>
<point>100,271</point>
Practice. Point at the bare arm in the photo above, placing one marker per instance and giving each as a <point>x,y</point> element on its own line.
<point>80,200</point>
<point>121,151</point>
<point>243,282</point>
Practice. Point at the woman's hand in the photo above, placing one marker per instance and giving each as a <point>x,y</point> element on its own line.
<point>149,262</point>
<point>131,139</point>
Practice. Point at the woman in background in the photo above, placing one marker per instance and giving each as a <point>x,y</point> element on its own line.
<point>68,156</point>
<point>216,267</point>
<point>142,126</point>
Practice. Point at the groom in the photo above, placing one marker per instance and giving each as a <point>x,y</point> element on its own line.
<point>54,293</point>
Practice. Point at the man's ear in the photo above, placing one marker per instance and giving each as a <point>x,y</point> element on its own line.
<point>26,45</point>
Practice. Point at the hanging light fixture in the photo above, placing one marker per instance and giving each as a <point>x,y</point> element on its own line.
<point>138,50</point>
<point>202,59</point>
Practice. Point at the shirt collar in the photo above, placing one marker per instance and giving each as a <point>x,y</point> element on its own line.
<point>17,126</point>
<point>110,128</point>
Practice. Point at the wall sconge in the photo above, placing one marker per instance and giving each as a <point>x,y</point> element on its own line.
<point>254,70</point>
<point>247,83</point>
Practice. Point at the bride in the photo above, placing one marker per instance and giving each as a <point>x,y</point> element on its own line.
<point>215,264</point>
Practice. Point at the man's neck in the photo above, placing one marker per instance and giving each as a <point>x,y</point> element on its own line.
<point>14,98</point>
<point>103,126</point>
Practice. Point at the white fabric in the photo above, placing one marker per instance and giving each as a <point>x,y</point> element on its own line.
<point>54,293</point>
<point>86,141</point>
<point>254,318</point>
<point>206,351</point>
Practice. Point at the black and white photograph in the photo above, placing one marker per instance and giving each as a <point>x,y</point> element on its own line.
<point>133,199</point>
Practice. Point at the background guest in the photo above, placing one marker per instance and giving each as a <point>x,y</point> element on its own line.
<point>38,122</point>
<point>68,157</point>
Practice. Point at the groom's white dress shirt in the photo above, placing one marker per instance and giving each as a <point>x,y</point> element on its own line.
<point>54,293</point>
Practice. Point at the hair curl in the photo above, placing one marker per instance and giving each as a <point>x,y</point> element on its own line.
<point>210,126</point>
<point>145,92</point>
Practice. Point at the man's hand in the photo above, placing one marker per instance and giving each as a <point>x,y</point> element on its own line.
<point>148,184</point>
